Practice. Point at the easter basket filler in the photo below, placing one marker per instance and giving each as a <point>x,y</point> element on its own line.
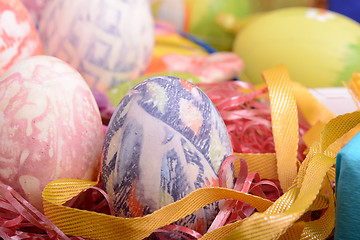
<point>245,205</point>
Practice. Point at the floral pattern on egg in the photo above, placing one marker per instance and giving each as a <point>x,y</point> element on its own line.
<point>164,140</point>
<point>50,126</point>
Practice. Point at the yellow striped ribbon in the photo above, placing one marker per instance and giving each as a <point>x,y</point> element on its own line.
<point>284,120</point>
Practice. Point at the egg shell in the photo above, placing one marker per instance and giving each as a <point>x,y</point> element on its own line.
<point>50,126</point>
<point>204,13</point>
<point>107,41</point>
<point>320,48</point>
<point>164,140</point>
<point>18,36</point>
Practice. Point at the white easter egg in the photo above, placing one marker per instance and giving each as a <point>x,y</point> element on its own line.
<point>107,41</point>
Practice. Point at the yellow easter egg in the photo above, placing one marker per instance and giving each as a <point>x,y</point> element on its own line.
<point>320,48</point>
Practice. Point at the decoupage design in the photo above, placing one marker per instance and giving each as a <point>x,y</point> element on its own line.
<point>165,140</point>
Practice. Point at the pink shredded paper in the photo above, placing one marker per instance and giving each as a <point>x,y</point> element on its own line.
<point>247,116</point>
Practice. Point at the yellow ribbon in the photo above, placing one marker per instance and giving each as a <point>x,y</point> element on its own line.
<point>308,190</point>
<point>285,125</point>
<point>101,226</point>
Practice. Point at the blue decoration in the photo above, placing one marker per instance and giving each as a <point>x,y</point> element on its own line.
<point>349,8</point>
<point>347,211</point>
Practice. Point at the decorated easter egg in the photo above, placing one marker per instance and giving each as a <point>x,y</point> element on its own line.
<point>50,126</point>
<point>320,48</point>
<point>18,36</point>
<point>204,13</point>
<point>164,140</point>
<point>106,41</point>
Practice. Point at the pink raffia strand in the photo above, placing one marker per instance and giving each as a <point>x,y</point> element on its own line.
<point>247,116</point>
<point>20,220</point>
<point>176,231</point>
<point>233,210</point>
<point>226,209</point>
<point>17,213</point>
<point>93,199</point>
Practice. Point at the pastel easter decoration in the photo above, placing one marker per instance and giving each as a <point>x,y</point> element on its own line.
<point>213,21</point>
<point>216,67</point>
<point>108,42</point>
<point>179,52</point>
<point>50,126</point>
<point>320,48</point>
<point>202,21</point>
<point>347,194</point>
<point>199,18</point>
<point>18,36</point>
<point>184,56</point>
<point>164,140</point>
<point>168,40</point>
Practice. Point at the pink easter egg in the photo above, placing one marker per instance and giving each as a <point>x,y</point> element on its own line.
<point>18,36</point>
<point>50,126</point>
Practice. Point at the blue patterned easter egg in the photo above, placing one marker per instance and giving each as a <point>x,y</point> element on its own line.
<point>164,140</point>
<point>107,41</point>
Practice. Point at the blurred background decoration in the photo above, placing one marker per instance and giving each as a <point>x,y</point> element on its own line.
<point>212,20</point>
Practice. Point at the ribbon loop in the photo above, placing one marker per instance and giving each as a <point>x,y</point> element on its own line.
<point>285,125</point>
